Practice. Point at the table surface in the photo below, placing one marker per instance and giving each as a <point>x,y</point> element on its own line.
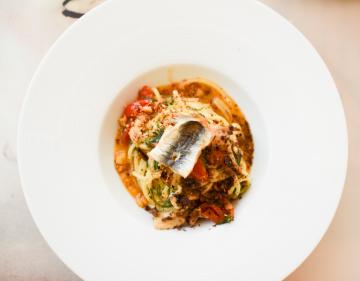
<point>28,28</point>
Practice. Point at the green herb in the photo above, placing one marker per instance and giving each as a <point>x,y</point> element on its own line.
<point>156,165</point>
<point>237,156</point>
<point>157,188</point>
<point>156,137</point>
<point>165,204</point>
<point>161,201</point>
<point>245,185</point>
<point>227,219</point>
<point>169,101</point>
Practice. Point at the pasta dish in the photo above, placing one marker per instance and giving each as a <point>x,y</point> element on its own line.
<point>184,152</point>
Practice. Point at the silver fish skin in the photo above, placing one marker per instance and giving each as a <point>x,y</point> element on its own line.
<point>180,146</point>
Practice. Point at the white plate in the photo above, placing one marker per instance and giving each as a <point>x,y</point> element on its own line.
<point>68,125</point>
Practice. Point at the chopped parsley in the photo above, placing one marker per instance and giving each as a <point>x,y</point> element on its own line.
<point>156,165</point>
<point>166,204</point>
<point>156,137</point>
<point>169,101</point>
<point>161,201</point>
<point>245,185</point>
<point>238,157</point>
<point>227,219</point>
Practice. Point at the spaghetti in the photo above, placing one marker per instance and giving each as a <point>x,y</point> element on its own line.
<point>195,123</point>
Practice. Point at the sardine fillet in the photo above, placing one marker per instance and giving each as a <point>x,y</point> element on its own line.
<point>180,146</point>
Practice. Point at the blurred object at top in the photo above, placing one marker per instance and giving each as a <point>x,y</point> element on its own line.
<point>77,8</point>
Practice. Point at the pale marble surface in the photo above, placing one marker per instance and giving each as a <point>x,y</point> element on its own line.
<point>28,28</point>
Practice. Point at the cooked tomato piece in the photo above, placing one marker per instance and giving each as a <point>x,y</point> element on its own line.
<point>199,171</point>
<point>212,212</point>
<point>125,135</point>
<point>146,92</point>
<point>133,109</point>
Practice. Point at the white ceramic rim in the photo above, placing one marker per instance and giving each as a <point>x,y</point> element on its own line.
<point>340,126</point>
